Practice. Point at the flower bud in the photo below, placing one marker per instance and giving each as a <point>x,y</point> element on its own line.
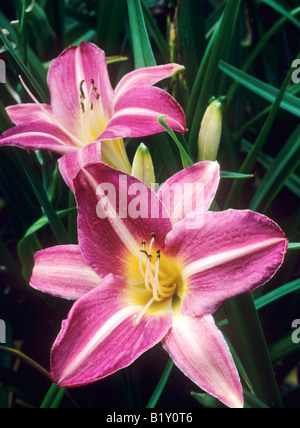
<point>142,167</point>
<point>210,132</point>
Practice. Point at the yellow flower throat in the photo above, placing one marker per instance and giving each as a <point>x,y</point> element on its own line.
<point>156,280</point>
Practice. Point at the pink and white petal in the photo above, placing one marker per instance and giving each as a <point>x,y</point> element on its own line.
<point>146,77</point>
<point>116,213</point>
<point>234,252</point>
<point>200,351</point>
<point>137,111</point>
<point>192,189</point>
<point>71,164</point>
<point>99,337</point>
<point>23,113</point>
<point>61,271</point>
<point>72,72</point>
<point>38,135</point>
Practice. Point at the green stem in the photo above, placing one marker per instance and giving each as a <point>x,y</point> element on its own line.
<point>53,397</point>
<point>58,398</point>
<point>255,356</point>
<point>161,385</point>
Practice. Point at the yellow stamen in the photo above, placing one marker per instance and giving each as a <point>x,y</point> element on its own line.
<point>160,289</point>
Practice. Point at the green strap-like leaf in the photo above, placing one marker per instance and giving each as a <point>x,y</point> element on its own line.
<point>143,54</point>
<point>185,157</point>
<point>219,48</point>
<point>275,295</point>
<point>282,11</point>
<point>289,102</point>
<point>294,246</point>
<point>278,173</point>
<point>34,84</point>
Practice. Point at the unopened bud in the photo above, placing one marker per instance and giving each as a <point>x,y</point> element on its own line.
<point>142,167</point>
<point>211,132</point>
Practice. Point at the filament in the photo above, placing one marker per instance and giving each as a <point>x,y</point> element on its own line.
<point>160,290</point>
<point>138,319</point>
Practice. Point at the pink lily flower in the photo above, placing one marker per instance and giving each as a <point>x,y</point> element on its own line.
<point>85,108</point>
<point>162,279</point>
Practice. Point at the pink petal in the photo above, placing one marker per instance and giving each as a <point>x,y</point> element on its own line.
<point>38,135</point>
<point>62,272</point>
<point>99,336</point>
<point>66,74</point>
<point>23,113</point>
<point>234,252</point>
<point>116,213</point>
<point>71,165</point>
<point>199,350</point>
<point>146,77</point>
<point>192,189</point>
<point>137,111</point>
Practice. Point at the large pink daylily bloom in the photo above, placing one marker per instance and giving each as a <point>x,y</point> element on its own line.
<point>85,108</point>
<point>162,279</point>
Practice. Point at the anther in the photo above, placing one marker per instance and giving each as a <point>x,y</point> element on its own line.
<point>95,90</point>
<point>149,256</point>
<point>82,94</point>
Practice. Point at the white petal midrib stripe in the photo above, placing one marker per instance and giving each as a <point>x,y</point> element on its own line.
<point>225,257</point>
<point>104,331</point>
<point>116,222</point>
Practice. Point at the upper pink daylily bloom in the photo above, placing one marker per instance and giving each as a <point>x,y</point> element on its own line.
<point>85,108</point>
<point>163,277</point>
